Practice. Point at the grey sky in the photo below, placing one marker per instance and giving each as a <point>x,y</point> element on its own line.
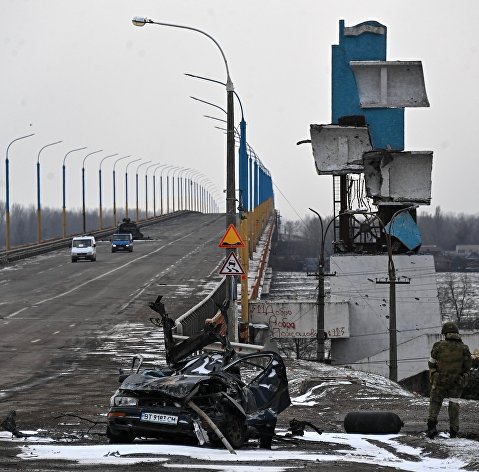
<point>80,72</point>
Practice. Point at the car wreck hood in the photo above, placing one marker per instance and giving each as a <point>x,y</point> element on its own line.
<point>177,386</point>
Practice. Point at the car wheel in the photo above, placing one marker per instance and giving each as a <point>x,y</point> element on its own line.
<point>122,437</point>
<point>74,259</point>
<point>234,428</point>
<point>93,259</point>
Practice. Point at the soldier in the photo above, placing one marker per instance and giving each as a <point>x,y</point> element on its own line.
<point>449,367</point>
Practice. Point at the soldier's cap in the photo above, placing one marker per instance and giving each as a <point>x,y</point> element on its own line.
<point>449,327</point>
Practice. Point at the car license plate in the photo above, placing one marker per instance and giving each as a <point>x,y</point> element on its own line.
<point>157,418</point>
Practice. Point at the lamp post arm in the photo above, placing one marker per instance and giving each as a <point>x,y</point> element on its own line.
<point>229,83</point>
<point>47,145</point>
<point>221,83</point>
<point>73,150</point>
<point>209,103</point>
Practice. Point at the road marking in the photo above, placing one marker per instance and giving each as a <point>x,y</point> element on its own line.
<point>35,341</point>
<point>101,276</point>
<point>56,332</point>
<point>17,312</point>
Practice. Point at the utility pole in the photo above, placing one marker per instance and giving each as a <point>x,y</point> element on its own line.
<point>321,295</point>
<point>392,281</point>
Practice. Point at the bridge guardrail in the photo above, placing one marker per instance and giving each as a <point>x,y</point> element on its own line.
<point>193,321</point>
<point>23,252</point>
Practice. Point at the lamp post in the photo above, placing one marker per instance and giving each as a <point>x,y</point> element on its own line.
<point>126,185</point>
<point>230,157</point>
<point>192,185</point>
<point>83,188</point>
<point>170,169</point>
<point>177,170</point>
<point>146,189</point>
<point>7,192</point>
<point>392,281</point>
<point>154,186</point>
<point>115,221</point>
<point>64,187</point>
<point>161,187</point>
<point>137,209</point>
<point>100,207</point>
<point>39,210</point>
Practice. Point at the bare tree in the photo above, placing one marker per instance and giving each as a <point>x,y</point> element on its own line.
<point>456,298</point>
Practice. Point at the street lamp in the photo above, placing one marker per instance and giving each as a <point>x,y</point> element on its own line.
<point>64,184</point>
<point>115,221</point>
<point>146,189</point>
<point>137,210</point>
<point>7,195</point>
<point>171,168</point>
<point>230,155</point>
<point>154,186</point>
<point>161,188</point>
<point>100,209</point>
<point>83,188</point>
<point>188,188</point>
<point>392,281</point>
<point>179,170</point>
<point>39,211</point>
<point>126,185</point>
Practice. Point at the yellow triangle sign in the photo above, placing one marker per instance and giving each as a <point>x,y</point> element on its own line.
<point>231,239</point>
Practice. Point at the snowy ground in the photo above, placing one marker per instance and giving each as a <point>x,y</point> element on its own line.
<point>319,403</point>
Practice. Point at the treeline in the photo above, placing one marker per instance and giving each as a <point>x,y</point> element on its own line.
<point>448,230</point>
<point>23,223</point>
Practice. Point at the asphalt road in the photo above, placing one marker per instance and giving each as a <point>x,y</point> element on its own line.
<point>51,308</point>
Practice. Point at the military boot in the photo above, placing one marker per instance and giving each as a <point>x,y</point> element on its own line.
<point>452,433</point>
<point>431,429</point>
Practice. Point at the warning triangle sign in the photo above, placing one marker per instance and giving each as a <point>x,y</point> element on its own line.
<point>232,266</point>
<point>231,239</point>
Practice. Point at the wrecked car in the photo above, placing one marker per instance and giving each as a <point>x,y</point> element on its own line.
<point>209,397</point>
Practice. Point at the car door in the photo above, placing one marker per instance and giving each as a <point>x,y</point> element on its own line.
<point>264,375</point>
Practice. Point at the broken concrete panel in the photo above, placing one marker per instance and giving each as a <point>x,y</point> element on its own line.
<point>390,84</point>
<point>339,149</point>
<point>398,176</point>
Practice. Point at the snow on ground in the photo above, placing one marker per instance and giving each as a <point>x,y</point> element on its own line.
<point>383,450</point>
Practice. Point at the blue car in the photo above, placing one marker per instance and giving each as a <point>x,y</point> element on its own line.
<point>122,242</point>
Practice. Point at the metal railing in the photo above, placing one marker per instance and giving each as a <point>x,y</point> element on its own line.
<point>193,321</point>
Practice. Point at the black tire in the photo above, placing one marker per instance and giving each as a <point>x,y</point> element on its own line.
<point>234,428</point>
<point>122,437</point>
<point>74,259</point>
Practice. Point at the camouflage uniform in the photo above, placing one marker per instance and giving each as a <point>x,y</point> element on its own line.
<point>449,367</point>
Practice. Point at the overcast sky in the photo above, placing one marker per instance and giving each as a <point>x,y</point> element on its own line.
<point>79,71</point>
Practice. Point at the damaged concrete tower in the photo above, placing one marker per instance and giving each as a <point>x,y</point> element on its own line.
<point>390,289</point>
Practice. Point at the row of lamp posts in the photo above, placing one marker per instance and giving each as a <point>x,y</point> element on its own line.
<point>194,199</point>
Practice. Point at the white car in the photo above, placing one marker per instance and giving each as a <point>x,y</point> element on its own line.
<point>83,247</point>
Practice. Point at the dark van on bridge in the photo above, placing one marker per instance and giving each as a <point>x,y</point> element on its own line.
<point>122,242</point>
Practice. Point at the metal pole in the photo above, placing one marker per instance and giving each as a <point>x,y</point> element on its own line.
<point>64,186</point>
<point>115,221</point>
<point>230,159</point>
<point>146,190</point>
<point>100,208</point>
<point>126,185</point>
<point>83,188</point>
<point>7,192</point>
<point>137,208</point>
<point>39,209</point>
